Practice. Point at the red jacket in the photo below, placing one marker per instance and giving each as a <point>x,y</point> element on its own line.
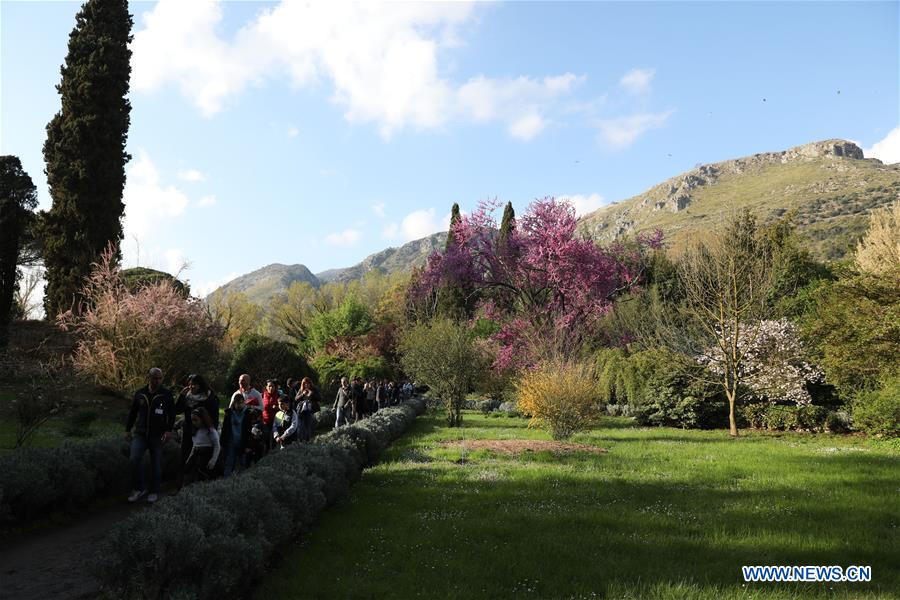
<point>270,408</point>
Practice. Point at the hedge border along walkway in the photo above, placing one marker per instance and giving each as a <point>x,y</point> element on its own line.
<point>216,538</point>
<point>37,482</point>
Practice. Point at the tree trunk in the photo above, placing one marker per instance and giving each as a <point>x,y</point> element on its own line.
<point>732,424</point>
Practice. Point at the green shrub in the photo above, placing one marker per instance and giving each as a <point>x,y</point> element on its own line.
<point>330,368</point>
<point>205,543</point>
<point>264,358</point>
<point>79,424</point>
<point>811,417</point>
<point>754,414</point>
<point>838,422</point>
<point>878,412</point>
<point>781,418</point>
<point>38,481</point>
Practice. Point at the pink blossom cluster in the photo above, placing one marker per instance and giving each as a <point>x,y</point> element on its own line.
<point>546,285</point>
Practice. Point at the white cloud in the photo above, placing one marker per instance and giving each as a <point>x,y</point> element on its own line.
<point>147,201</point>
<point>191,175</point>
<point>293,132</point>
<point>207,201</point>
<point>204,288</point>
<point>886,150</point>
<point>519,103</point>
<point>175,261</point>
<point>390,231</point>
<point>422,223</point>
<point>378,209</point>
<point>623,131</point>
<point>348,237</point>
<point>583,204</point>
<point>381,59</point>
<point>637,81</point>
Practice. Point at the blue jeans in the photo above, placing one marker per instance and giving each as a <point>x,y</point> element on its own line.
<point>340,418</point>
<point>140,444</point>
<point>234,459</point>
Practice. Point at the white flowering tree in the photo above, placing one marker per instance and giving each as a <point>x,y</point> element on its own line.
<point>773,363</point>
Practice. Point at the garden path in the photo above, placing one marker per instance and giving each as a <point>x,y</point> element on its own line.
<point>49,562</point>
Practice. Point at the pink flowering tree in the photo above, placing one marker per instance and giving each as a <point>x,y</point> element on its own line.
<point>122,332</point>
<point>544,284</point>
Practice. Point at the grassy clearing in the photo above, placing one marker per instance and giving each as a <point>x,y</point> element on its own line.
<point>665,513</point>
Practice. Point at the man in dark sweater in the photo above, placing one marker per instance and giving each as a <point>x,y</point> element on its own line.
<point>152,416</point>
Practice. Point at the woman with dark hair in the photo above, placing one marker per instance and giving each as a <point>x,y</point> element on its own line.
<point>201,463</point>
<point>196,394</point>
<point>307,403</point>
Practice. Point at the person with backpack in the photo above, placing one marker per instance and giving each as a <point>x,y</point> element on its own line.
<point>152,416</point>
<point>205,450</point>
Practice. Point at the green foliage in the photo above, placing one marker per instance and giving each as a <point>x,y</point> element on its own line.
<point>508,223</point>
<point>18,197</point>
<point>85,150</point>
<point>440,354</point>
<point>877,412</point>
<point>140,277</point>
<point>454,219</point>
<point>350,319</point>
<point>793,267</point>
<point>776,417</point>
<point>213,545</point>
<point>331,368</point>
<point>853,327</point>
<point>661,387</point>
<point>264,358</point>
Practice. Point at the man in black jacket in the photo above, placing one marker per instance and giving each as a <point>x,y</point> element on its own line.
<point>152,416</point>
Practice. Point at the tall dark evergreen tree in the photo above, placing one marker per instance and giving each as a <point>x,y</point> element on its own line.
<point>454,217</point>
<point>508,223</point>
<point>85,150</point>
<point>18,197</point>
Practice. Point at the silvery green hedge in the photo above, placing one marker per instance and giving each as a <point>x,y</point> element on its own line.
<point>35,482</point>
<point>214,539</point>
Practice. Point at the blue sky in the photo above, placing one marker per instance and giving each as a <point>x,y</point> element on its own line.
<point>318,133</point>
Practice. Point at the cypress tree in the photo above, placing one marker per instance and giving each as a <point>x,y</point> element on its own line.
<point>454,217</point>
<point>18,197</point>
<point>85,150</point>
<point>508,223</point>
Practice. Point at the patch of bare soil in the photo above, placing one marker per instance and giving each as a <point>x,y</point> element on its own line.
<point>520,446</point>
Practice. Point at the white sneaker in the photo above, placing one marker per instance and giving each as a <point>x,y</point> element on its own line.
<point>152,498</point>
<point>136,495</point>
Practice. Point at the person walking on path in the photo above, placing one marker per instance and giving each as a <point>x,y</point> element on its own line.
<point>252,397</point>
<point>152,416</point>
<point>287,423</point>
<point>201,462</point>
<point>195,394</point>
<point>307,403</point>
<point>342,402</point>
<point>235,435</point>
<point>271,401</point>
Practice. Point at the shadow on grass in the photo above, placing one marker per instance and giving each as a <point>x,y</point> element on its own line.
<point>472,531</point>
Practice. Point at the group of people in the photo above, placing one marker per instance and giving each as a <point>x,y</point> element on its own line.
<point>253,424</point>
<point>357,399</point>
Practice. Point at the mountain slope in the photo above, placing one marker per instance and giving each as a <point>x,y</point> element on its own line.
<point>390,260</point>
<point>828,185</point>
<point>262,284</point>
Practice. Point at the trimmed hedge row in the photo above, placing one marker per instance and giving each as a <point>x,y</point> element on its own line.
<point>214,539</point>
<point>38,481</point>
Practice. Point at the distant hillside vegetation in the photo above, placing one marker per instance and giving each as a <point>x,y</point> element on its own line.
<point>830,187</point>
<point>261,285</point>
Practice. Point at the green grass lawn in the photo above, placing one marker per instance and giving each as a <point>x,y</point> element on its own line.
<point>666,513</point>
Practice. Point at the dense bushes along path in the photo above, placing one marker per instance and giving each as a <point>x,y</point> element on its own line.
<point>214,539</point>
<point>50,563</point>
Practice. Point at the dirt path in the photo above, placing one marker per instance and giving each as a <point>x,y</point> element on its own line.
<point>47,564</point>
